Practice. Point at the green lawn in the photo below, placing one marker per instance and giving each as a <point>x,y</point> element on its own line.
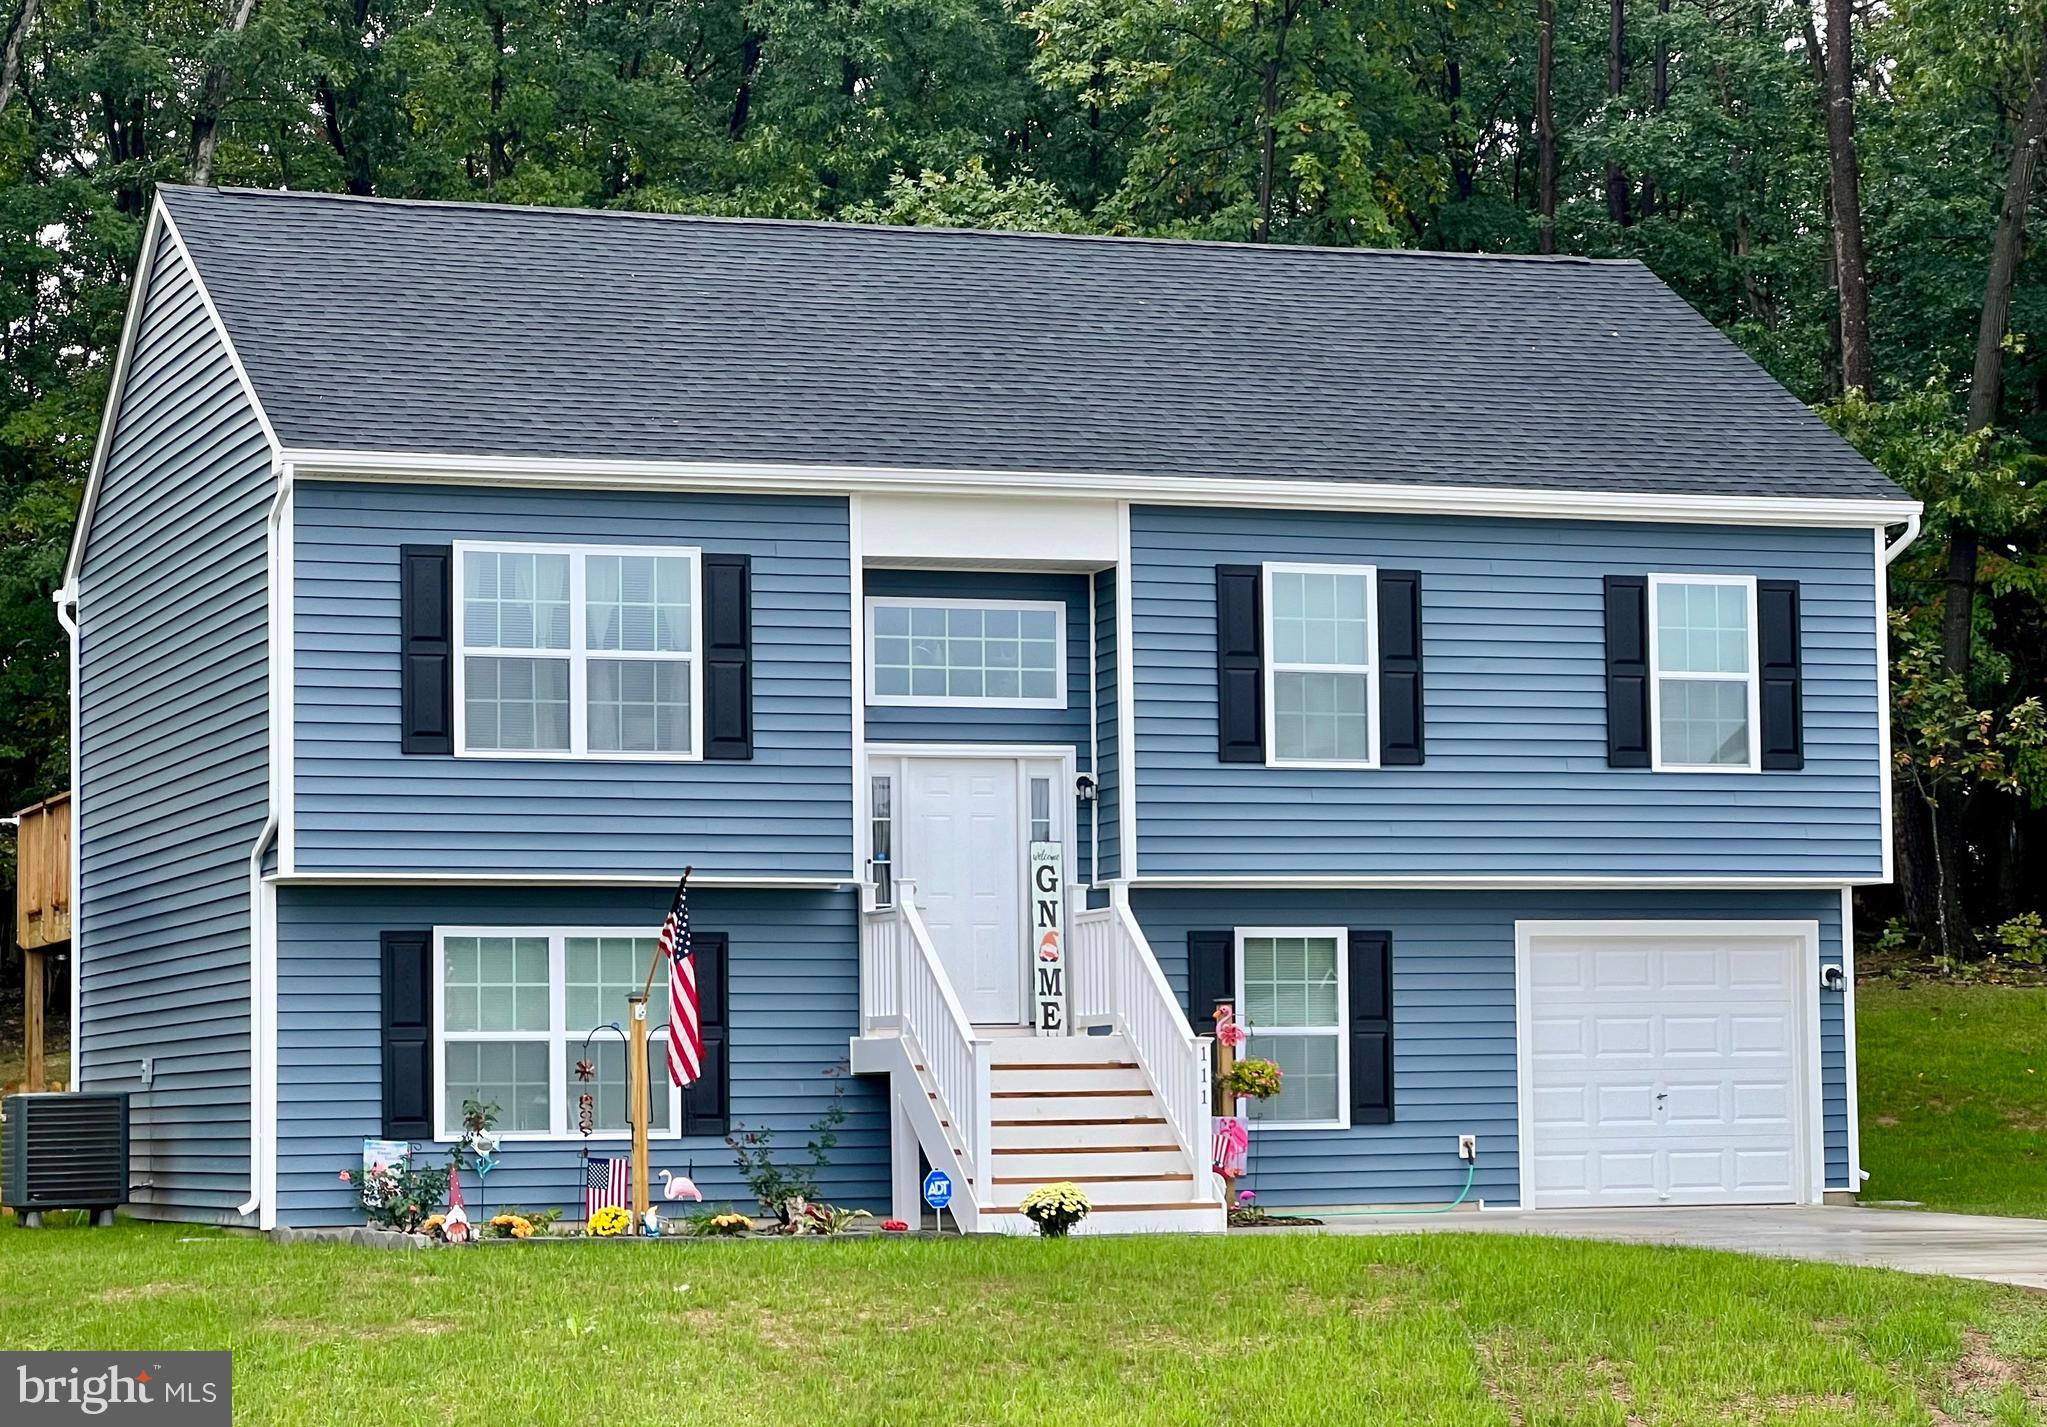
<point>1954,1095</point>
<point>1452,1329</point>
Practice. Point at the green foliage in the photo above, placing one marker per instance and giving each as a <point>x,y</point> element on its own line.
<point>776,1187</point>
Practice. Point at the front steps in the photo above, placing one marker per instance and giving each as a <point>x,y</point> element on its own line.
<point>1079,1108</point>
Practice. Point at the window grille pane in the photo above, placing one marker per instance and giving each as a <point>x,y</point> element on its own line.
<point>639,706</point>
<point>881,831</point>
<point>515,601</point>
<point>968,652</point>
<point>597,975</point>
<point>1291,981</point>
<point>1041,810</point>
<point>511,1074</point>
<point>638,603</point>
<point>1704,721</point>
<point>495,983</point>
<point>1321,717</point>
<point>516,704</point>
<point>607,1088</point>
<point>1309,1085</point>
<point>1701,628</point>
<point>1320,618</point>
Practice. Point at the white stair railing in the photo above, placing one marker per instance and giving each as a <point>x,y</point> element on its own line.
<point>904,988</point>
<point>1117,981</point>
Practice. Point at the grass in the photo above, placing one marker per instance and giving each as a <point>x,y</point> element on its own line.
<point>1954,1095</point>
<point>1272,1330</point>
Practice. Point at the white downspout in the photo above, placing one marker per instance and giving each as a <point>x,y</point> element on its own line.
<point>66,600</point>
<point>262,969</point>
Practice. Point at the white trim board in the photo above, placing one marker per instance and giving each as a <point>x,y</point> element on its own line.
<point>799,478</point>
<point>1811,1110</point>
<point>1503,882</point>
<point>542,878</point>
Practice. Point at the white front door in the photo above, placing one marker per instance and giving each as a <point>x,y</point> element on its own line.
<point>965,852</point>
<point>1666,1068</point>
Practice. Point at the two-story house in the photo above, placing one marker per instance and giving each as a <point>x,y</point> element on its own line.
<point>1473,667</point>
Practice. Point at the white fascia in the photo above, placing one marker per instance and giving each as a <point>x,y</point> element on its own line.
<point>796,478</point>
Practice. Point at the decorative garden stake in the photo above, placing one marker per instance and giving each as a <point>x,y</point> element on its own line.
<point>1230,1146</point>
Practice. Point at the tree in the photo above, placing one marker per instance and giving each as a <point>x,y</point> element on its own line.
<point>1545,126</point>
<point>1851,276</point>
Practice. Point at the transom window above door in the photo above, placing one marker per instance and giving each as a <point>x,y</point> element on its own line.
<point>570,651</point>
<point>1321,628</point>
<point>962,652</point>
<point>1703,688</point>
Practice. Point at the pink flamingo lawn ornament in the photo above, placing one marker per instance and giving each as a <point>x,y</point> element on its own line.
<point>680,1186</point>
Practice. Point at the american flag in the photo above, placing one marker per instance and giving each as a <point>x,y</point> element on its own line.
<point>685,1030</point>
<point>604,1184</point>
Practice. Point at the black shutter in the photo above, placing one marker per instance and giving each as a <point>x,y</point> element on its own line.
<point>1240,663</point>
<point>707,1101</point>
<point>408,1035</point>
<point>426,635</point>
<point>1627,671</point>
<point>1783,732</point>
<point>728,656</point>
<point>1211,976</point>
<point>1371,1028</point>
<point>1400,667</point>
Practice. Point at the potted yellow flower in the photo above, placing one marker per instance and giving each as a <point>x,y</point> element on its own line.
<point>1056,1208</point>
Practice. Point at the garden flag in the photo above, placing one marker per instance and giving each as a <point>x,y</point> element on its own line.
<point>604,1184</point>
<point>685,1031</point>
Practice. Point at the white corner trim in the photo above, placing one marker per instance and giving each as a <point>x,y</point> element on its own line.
<point>797,478</point>
<point>284,673</point>
<point>1094,739</point>
<point>856,664</point>
<point>1887,811</point>
<point>1812,1118</point>
<point>66,601</point>
<point>1853,1086</point>
<point>1126,705</point>
<point>160,222</point>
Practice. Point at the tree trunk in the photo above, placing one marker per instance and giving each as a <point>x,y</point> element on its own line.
<point>1268,100</point>
<point>212,98</point>
<point>1830,354</point>
<point>1618,208</point>
<point>10,58</point>
<point>1851,273</point>
<point>1958,616</point>
<point>742,99</point>
<point>1545,127</point>
<point>1659,98</point>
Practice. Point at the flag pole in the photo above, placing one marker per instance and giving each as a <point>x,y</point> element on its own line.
<point>639,1097</point>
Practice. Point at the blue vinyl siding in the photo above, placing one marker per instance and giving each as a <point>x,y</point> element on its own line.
<point>173,757</point>
<point>1516,782</point>
<point>1068,726</point>
<point>794,979</point>
<point>1108,736</point>
<point>1453,1026</point>
<point>364,805</point>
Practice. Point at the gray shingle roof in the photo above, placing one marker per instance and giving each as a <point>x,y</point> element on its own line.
<point>381,325</point>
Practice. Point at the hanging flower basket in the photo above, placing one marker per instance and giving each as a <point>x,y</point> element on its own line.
<point>1252,1080</point>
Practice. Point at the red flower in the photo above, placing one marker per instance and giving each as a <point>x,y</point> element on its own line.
<point>894,1226</point>
<point>347,1178</point>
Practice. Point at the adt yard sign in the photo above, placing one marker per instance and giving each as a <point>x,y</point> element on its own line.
<point>938,1189</point>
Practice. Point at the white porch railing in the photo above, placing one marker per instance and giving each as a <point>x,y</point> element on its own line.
<point>903,988</point>
<point>1116,981</point>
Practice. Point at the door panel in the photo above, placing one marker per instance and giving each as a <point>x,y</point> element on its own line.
<point>965,853</point>
<point>1666,1070</point>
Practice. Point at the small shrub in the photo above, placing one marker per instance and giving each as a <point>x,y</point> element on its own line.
<point>2024,939</point>
<point>708,1226</point>
<point>1056,1208</point>
<point>775,1187</point>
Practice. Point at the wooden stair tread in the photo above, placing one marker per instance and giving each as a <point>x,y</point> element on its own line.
<point>1064,1094</point>
<point>1068,1124</point>
<point>1179,1177</point>
<point>1088,1149</point>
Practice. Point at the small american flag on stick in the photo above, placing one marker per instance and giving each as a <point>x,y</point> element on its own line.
<point>685,1029</point>
<point>604,1184</point>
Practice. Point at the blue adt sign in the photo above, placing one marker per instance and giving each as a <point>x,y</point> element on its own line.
<point>938,1189</point>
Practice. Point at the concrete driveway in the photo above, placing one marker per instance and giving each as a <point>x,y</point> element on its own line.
<point>1963,1245</point>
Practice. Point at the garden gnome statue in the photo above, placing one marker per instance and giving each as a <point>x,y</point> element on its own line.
<point>456,1224</point>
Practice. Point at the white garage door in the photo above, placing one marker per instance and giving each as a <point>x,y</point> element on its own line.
<point>1666,1067</point>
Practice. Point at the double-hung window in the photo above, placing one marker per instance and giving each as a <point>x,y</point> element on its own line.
<point>577,652</point>
<point>1703,689</point>
<point>1008,654</point>
<point>1322,655</point>
<point>1292,995</point>
<point>517,1011</point>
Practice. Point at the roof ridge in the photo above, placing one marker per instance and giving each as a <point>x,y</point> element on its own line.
<point>743,220</point>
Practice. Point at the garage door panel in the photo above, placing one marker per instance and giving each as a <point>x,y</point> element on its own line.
<point>1665,1069</point>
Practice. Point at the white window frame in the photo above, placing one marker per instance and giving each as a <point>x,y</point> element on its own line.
<point>1657,762</point>
<point>1341,1030</point>
<point>1369,669</point>
<point>559,1038</point>
<point>579,654</point>
<point>1057,608</point>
